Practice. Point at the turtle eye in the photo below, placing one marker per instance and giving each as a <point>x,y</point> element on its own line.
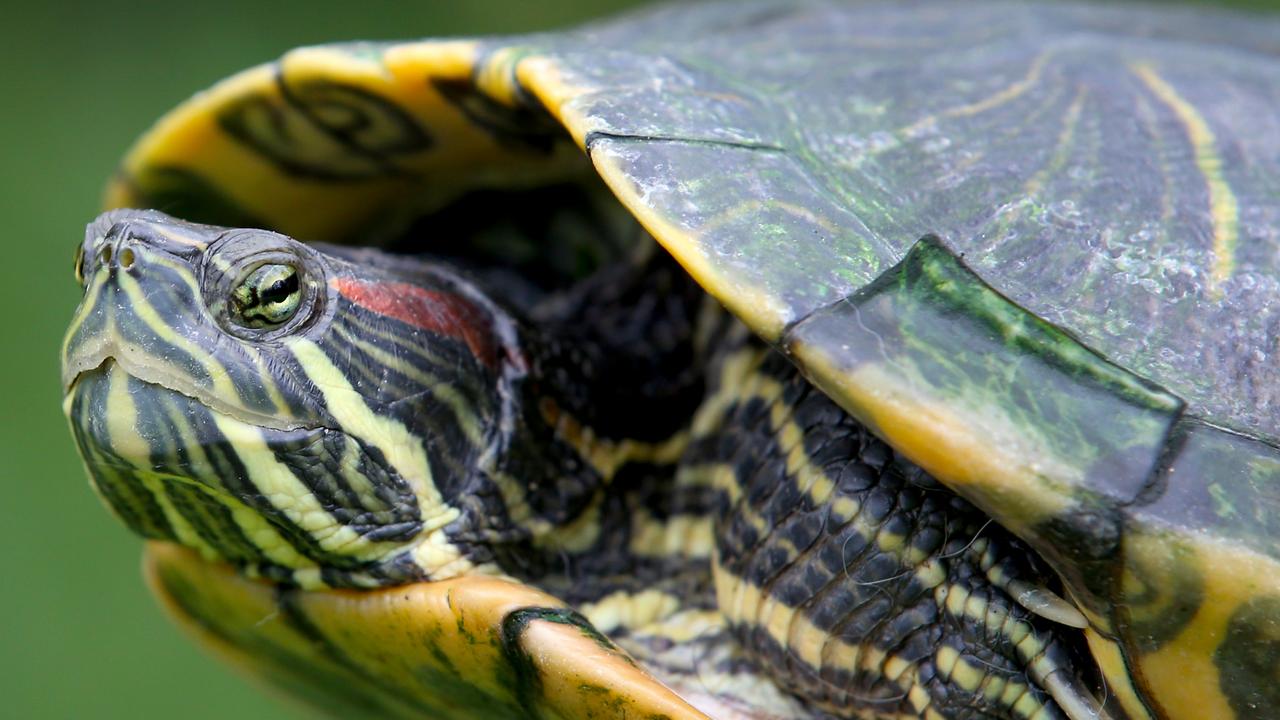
<point>268,296</point>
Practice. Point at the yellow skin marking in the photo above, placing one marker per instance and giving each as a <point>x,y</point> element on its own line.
<point>626,610</point>
<point>579,534</point>
<point>516,500</point>
<point>743,602</point>
<point>403,451</point>
<point>688,536</point>
<point>1223,206</point>
<point>121,424</point>
<point>443,391</point>
<point>255,527</point>
<point>606,456</point>
<point>151,368</point>
<point>286,492</point>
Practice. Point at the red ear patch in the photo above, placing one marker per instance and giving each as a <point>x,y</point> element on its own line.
<point>439,312</point>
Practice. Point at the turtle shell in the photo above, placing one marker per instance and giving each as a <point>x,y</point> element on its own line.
<point>1032,247</point>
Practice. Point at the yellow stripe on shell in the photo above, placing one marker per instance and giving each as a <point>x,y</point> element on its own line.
<point>546,81</point>
<point>1224,208</point>
<point>762,312</point>
<point>1005,95</point>
<point>1117,675</point>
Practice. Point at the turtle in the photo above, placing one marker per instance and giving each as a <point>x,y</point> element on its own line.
<point>753,359</point>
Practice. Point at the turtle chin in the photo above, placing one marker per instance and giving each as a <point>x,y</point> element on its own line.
<point>276,503</point>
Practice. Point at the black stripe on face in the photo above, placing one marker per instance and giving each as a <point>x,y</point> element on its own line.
<point>213,523</point>
<point>235,476</point>
<point>325,461</point>
<point>418,355</point>
<point>435,388</point>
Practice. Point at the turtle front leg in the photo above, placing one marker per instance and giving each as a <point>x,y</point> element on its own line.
<point>863,586</point>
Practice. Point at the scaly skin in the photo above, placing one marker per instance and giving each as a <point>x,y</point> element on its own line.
<point>345,420</point>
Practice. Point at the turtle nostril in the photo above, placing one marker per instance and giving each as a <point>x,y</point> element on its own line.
<point>106,254</point>
<point>126,258</point>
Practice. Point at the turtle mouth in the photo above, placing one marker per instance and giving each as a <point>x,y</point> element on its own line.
<point>172,467</point>
<point>156,378</point>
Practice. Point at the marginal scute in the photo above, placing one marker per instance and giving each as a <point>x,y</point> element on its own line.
<point>736,233</point>
<point>336,143</point>
<point>1249,657</point>
<point>930,349</point>
<point>1200,564</point>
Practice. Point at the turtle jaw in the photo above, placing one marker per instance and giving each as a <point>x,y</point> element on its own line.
<point>172,468</point>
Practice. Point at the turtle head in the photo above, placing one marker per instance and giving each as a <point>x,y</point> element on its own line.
<point>291,411</point>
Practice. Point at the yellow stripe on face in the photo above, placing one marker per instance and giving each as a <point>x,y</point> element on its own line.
<point>1223,206</point>
<point>262,534</point>
<point>402,449</point>
<point>446,393</point>
<point>88,306</point>
<point>122,426</point>
<point>285,491</point>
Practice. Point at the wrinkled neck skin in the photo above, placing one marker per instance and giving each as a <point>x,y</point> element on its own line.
<point>592,426</point>
<point>543,404</point>
<point>391,423</point>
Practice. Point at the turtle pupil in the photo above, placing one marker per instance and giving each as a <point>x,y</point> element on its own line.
<point>268,296</point>
<point>281,289</point>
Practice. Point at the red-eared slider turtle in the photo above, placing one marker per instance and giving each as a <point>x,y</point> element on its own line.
<point>999,445</point>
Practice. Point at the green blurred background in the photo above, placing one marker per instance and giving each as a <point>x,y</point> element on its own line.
<point>79,636</point>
